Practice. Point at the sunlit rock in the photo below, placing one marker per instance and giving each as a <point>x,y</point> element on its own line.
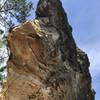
<point>45,63</point>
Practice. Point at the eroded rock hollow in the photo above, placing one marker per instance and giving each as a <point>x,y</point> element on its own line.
<point>45,63</point>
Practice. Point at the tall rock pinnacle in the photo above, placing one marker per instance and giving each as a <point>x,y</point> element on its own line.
<point>53,10</point>
<point>45,62</point>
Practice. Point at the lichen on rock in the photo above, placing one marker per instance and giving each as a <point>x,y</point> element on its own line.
<point>45,62</point>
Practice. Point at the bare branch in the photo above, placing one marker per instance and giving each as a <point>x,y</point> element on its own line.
<point>4,20</point>
<point>3,5</point>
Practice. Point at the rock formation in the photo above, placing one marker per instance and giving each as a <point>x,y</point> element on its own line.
<point>45,63</point>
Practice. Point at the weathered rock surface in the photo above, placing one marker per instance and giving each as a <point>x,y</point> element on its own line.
<point>45,63</point>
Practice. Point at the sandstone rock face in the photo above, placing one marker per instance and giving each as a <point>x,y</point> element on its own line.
<point>45,63</point>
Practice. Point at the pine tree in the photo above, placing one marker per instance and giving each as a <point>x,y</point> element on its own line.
<point>11,12</point>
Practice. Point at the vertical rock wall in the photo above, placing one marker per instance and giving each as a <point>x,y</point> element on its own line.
<point>45,63</point>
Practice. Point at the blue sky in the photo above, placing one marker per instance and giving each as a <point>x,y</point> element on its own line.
<point>84,17</point>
